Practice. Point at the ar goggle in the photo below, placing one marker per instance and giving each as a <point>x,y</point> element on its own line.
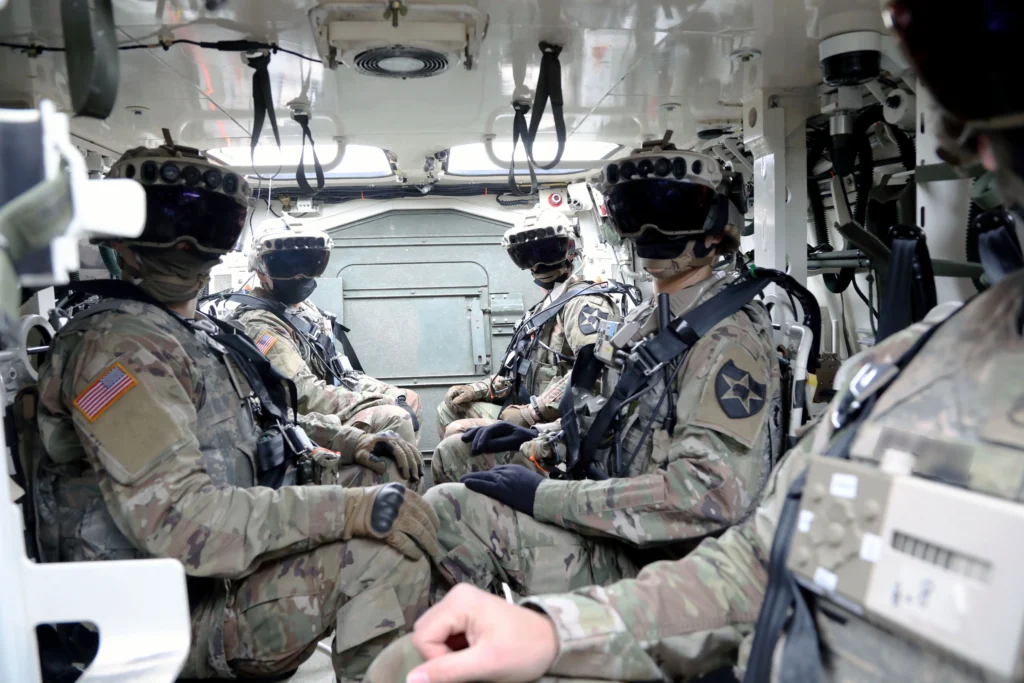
<point>210,221</point>
<point>657,196</point>
<point>535,248</point>
<point>286,258</point>
<point>973,78</point>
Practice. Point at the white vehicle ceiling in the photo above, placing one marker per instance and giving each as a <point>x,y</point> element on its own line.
<point>629,70</point>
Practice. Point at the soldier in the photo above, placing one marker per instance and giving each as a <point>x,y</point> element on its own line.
<point>684,455</point>
<point>542,351</point>
<point>948,387</point>
<point>165,436</point>
<point>300,338</point>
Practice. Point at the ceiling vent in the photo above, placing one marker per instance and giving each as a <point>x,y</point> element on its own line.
<point>429,39</point>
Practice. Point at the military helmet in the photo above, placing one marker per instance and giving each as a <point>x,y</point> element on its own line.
<point>284,252</point>
<point>545,238</point>
<point>189,198</point>
<point>663,196</point>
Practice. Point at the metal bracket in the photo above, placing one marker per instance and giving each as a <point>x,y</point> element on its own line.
<point>476,329</point>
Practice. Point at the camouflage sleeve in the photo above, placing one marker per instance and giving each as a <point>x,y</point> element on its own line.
<point>676,619</point>
<point>581,319</point>
<point>703,478</point>
<point>157,489</point>
<point>274,339</point>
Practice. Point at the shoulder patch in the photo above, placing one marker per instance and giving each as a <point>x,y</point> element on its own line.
<point>739,394</point>
<point>590,318</point>
<point>265,342</point>
<point>111,385</point>
<point>735,394</point>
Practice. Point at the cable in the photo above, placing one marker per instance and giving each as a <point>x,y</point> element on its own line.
<point>34,49</point>
<point>872,314</point>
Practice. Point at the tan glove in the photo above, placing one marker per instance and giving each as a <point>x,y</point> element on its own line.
<point>460,396</point>
<point>395,515</point>
<point>371,449</point>
<point>519,415</point>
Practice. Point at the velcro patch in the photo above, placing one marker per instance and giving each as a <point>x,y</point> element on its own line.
<point>104,392</point>
<point>265,342</point>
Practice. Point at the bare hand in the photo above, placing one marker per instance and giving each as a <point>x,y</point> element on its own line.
<point>472,636</point>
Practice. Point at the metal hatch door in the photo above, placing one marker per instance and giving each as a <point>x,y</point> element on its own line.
<point>417,290</point>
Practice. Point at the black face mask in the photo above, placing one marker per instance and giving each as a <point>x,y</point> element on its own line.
<point>291,292</point>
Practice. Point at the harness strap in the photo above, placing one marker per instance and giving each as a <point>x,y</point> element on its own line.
<point>300,172</point>
<point>263,102</point>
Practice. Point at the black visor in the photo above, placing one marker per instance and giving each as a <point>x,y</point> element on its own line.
<point>967,55</point>
<point>291,263</point>
<point>210,219</point>
<point>671,207</point>
<point>534,252</point>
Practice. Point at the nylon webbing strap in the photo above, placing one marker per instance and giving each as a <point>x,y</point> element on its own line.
<point>262,101</point>
<point>298,323</point>
<point>549,88</point>
<point>520,131</point>
<point>910,288</point>
<point>300,172</point>
<point>649,356</point>
<point>340,331</point>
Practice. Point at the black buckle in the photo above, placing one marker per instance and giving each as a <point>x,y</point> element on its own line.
<point>645,361</point>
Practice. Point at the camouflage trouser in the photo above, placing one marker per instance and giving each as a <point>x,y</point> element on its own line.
<point>453,458</point>
<point>371,385</point>
<point>365,591</point>
<point>354,476</point>
<point>475,410</point>
<point>486,543</point>
<point>401,657</point>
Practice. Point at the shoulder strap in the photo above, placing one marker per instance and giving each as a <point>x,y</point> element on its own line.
<point>297,323</point>
<point>783,596</point>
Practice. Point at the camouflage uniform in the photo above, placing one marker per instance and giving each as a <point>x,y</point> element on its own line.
<point>150,447</point>
<point>560,340</point>
<point>960,396</point>
<point>360,400</point>
<point>681,487</point>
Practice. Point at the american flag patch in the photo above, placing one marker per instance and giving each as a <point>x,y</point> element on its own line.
<point>102,393</point>
<point>265,342</point>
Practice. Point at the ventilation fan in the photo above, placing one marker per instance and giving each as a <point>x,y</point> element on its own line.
<point>428,40</point>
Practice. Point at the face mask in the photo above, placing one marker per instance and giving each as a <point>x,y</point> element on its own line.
<point>172,276</point>
<point>694,255</point>
<point>291,292</point>
<point>548,276</point>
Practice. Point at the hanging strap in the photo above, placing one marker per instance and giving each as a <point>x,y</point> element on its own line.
<point>262,101</point>
<point>520,132</point>
<point>300,173</point>
<point>549,87</point>
<point>787,608</point>
<point>910,288</point>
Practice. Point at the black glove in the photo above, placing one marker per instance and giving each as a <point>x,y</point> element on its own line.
<point>498,437</point>
<point>513,485</point>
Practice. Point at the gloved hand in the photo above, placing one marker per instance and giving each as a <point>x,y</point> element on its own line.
<point>513,485</point>
<point>498,437</point>
<point>460,396</point>
<point>395,515</point>
<point>518,415</point>
<point>371,449</point>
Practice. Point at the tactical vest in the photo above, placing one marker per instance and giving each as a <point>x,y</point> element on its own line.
<point>73,523</point>
<point>953,401</point>
<point>532,361</point>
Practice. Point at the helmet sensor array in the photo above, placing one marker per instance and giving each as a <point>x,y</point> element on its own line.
<point>545,239</point>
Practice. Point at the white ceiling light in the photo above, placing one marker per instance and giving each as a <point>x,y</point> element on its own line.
<point>359,161</point>
<point>472,159</point>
